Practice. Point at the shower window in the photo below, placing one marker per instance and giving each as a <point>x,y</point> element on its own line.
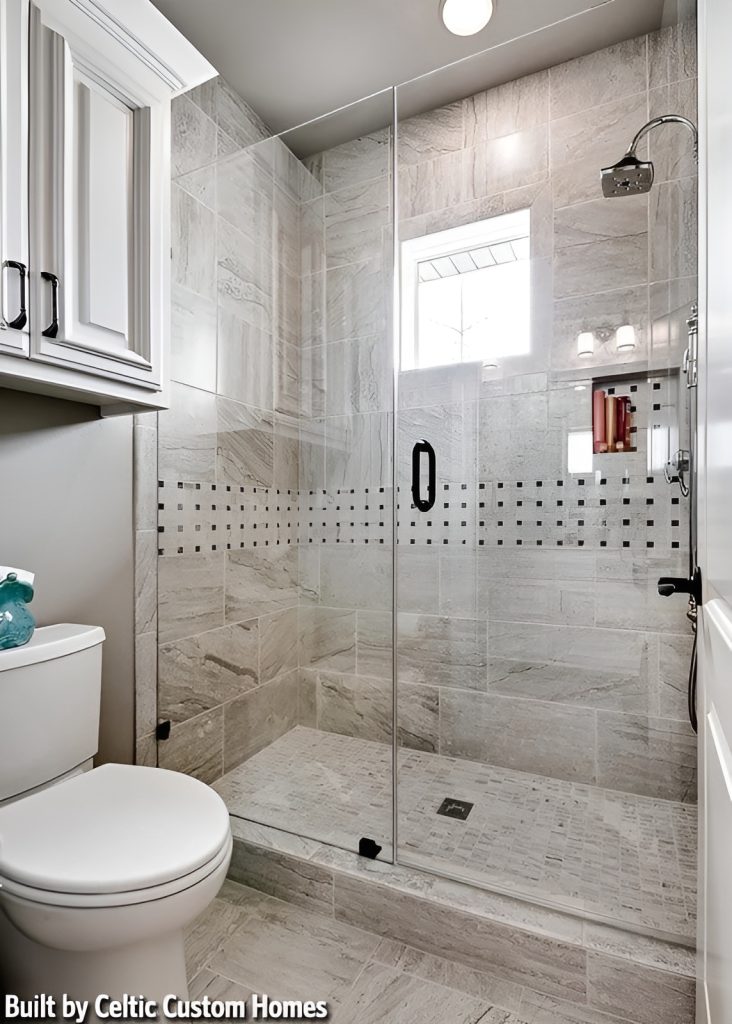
<point>470,290</point>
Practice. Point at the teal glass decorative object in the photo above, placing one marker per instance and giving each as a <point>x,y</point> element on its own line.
<point>16,622</point>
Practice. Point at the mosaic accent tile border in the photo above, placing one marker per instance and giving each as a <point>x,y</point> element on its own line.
<point>640,514</point>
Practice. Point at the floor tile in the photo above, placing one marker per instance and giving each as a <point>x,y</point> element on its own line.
<point>383,995</point>
<point>294,954</point>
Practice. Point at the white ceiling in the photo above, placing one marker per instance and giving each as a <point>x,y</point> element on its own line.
<point>294,60</point>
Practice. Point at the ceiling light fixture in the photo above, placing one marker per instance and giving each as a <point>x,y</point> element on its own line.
<point>466,17</point>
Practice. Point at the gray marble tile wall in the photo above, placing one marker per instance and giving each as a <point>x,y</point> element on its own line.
<point>533,637</point>
<point>217,604</point>
<point>277,450</point>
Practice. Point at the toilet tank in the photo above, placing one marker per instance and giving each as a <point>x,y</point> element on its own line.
<point>50,691</point>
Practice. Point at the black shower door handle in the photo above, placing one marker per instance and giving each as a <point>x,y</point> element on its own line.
<point>423,504</point>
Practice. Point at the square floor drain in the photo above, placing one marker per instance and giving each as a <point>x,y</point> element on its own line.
<point>455,808</point>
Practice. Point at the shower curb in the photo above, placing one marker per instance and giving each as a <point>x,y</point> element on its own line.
<point>610,971</point>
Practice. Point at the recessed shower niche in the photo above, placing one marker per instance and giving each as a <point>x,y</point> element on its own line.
<point>636,420</point>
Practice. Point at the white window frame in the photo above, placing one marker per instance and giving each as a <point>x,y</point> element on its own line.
<point>504,227</point>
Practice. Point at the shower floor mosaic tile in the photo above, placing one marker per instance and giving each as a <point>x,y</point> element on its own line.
<point>612,855</point>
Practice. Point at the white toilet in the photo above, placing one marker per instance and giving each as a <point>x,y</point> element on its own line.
<point>101,869</point>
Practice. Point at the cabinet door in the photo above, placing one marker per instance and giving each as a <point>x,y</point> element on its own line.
<point>14,176</point>
<point>99,202</point>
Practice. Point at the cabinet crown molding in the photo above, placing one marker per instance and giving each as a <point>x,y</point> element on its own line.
<point>147,35</point>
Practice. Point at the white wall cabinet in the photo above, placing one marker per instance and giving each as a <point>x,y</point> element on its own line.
<point>85,100</point>
<point>14,322</point>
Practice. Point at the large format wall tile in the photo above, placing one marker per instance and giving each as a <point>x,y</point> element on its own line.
<point>438,184</point>
<point>354,218</point>
<point>510,108</point>
<point>244,371</point>
<point>651,756</point>
<point>358,451</point>
<point>201,672</point>
<point>374,644</point>
<point>570,665</point>
<point>599,77</point>
<point>418,717</point>
<point>356,577</point>
<point>431,135</point>
<point>245,276</point>
<point>196,747</point>
<point>527,735</point>
<point>245,444</point>
<point>193,137</point>
<point>635,604</point>
<point>358,160</point>
<point>278,643</point>
<point>328,639</point>
<point>359,376</point>
<point>555,601</point>
<point>259,581</point>
<point>442,651</point>
<point>673,149</point>
<point>672,53</point>
<point>257,718</point>
<point>614,263</point>
<point>674,660</point>
<point>194,244</point>
<point>187,436</point>
<point>355,706</point>
<point>673,218</point>
<point>511,162</point>
<point>190,594</point>
<point>244,196</point>
<point>193,339</point>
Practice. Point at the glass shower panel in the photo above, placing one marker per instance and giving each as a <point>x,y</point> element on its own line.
<point>326,773</point>
<point>541,709</point>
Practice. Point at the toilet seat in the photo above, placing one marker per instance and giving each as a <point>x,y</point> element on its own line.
<point>90,901</point>
<point>115,836</point>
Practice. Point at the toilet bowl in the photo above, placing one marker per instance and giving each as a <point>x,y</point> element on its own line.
<point>99,877</point>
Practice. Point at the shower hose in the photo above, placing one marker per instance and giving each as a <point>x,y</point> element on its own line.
<point>692,674</point>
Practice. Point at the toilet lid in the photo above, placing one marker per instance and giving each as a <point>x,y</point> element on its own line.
<point>118,828</point>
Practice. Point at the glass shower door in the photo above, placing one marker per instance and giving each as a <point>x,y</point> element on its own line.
<point>543,738</point>
<point>321,768</point>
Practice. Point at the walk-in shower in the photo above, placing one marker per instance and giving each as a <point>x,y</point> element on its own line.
<point>427,492</point>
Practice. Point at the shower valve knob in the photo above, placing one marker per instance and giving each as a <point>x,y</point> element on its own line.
<point>669,585</point>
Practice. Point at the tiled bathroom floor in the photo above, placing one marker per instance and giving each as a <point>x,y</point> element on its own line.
<point>613,855</point>
<point>247,942</point>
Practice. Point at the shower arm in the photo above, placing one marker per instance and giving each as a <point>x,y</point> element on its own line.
<point>664,119</point>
